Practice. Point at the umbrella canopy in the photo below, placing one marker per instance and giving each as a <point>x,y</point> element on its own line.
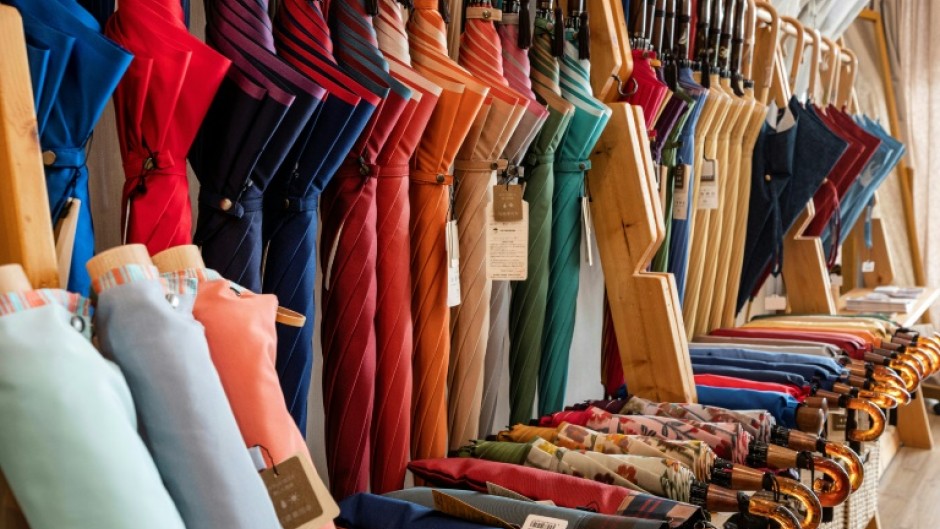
<point>780,405</point>
<point>649,93</point>
<point>159,107</point>
<point>460,102</point>
<point>290,207</point>
<point>757,423</point>
<point>529,297</point>
<point>514,42</point>
<point>474,177</point>
<point>572,159</point>
<point>82,70</point>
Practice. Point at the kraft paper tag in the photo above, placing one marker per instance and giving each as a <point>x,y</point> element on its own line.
<point>680,193</point>
<point>452,506</point>
<point>507,203</point>
<point>507,246</point>
<point>300,498</point>
<point>775,302</point>
<point>587,224</point>
<point>868,267</point>
<point>453,264</point>
<point>835,280</point>
<point>534,521</point>
<point>708,192</point>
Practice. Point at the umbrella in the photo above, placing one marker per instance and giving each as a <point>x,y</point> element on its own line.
<point>571,161</point>
<point>290,207</point>
<point>230,202</point>
<point>461,100</point>
<point>368,511</point>
<point>514,40</point>
<point>391,427</point>
<point>757,423</point>
<point>474,177</point>
<point>529,297</point>
<point>780,405</point>
<point>83,70</point>
<point>159,107</point>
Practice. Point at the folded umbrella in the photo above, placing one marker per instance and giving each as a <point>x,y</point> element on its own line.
<point>84,70</point>
<point>431,180</point>
<point>757,423</point>
<point>368,511</point>
<point>781,406</point>
<point>474,177</point>
<point>571,161</point>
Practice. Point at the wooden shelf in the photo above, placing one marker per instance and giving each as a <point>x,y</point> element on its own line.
<point>921,306</point>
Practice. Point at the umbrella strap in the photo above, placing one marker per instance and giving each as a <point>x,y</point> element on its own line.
<point>363,169</point>
<point>237,207</point>
<point>432,177</point>
<point>579,166</point>
<point>535,160</point>
<point>480,166</point>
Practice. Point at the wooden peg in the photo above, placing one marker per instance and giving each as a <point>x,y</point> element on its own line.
<point>117,257</point>
<point>13,279</point>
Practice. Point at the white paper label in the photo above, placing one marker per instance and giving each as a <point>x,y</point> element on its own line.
<point>587,224</point>
<point>708,190</point>
<point>775,302</point>
<point>835,280</point>
<point>868,267</point>
<point>453,264</point>
<point>507,247</point>
<point>680,192</point>
<point>534,521</point>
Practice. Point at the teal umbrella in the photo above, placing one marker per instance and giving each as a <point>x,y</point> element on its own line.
<point>529,297</point>
<point>571,162</point>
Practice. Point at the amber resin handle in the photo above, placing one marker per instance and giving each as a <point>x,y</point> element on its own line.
<point>835,485</point>
<point>774,511</point>
<point>877,417</point>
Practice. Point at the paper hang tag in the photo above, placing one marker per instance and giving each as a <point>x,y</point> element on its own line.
<point>587,225</point>
<point>534,521</point>
<point>680,193</point>
<point>835,280</point>
<point>708,189</point>
<point>507,246</point>
<point>453,264</point>
<point>300,498</point>
<point>868,267</point>
<point>507,203</point>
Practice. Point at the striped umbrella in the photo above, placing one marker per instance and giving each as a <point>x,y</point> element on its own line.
<point>391,423</point>
<point>431,179</point>
<point>474,178</point>
<point>514,40</point>
<point>348,211</point>
<point>529,297</point>
<point>571,162</point>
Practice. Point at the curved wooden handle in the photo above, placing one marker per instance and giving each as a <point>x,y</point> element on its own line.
<point>177,258</point>
<point>13,279</point>
<point>116,257</point>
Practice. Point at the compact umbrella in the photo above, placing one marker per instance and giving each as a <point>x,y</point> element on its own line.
<point>290,207</point>
<point>159,107</point>
<point>529,297</point>
<point>475,171</point>
<point>82,72</point>
<point>515,38</point>
<point>431,180</point>
<point>571,161</point>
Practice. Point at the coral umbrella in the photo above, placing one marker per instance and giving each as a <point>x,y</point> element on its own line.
<point>460,101</point>
<point>82,71</point>
<point>159,107</point>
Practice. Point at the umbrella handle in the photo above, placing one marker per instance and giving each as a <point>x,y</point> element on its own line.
<point>835,485</point>
<point>774,511</point>
<point>801,493</point>
<point>849,459</point>
<point>882,400</point>
<point>877,417</point>
<point>13,279</point>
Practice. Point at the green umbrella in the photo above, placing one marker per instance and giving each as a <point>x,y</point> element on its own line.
<point>572,160</point>
<point>529,298</point>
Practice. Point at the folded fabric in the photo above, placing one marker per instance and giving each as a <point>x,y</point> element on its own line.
<point>69,446</point>
<point>189,425</point>
<point>516,511</point>
<point>368,511</point>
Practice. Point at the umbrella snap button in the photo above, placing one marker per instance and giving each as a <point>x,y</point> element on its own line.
<point>48,158</point>
<point>150,164</point>
<point>77,323</point>
<point>440,179</point>
<point>225,204</point>
<point>582,166</point>
<point>173,300</point>
<point>487,14</point>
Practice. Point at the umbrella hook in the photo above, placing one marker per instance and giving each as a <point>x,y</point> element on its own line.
<point>633,89</point>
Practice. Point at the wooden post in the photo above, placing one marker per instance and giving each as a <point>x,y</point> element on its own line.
<point>809,290</point>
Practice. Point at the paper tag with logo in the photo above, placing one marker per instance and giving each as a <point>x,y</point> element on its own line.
<point>453,264</point>
<point>300,498</point>
<point>708,189</point>
<point>587,225</point>
<point>680,192</point>
<point>534,521</point>
<point>507,203</point>
<point>775,302</point>
<point>507,246</point>
<point>868,267</point>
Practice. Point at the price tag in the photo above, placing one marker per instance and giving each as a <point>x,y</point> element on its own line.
<point>868,267</point>
<point>534,521</point>
<point>453,264</point>
<point>775,302</point>
<point>507,203</point>
<point>587,224</point>
<point>680,193</point>
<point>507,246</point>
<point>300,498</point>
<point>708,190</point>
<point>835,280</point>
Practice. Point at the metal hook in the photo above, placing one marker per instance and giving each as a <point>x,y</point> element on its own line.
<point>620,91</point>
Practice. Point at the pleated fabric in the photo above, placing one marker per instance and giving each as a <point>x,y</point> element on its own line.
<point>431,179</point>
<point>516,70</point>
<point>290,207</point>
<point>82,70</point>
<point>572,160</point>
<point>159,107</point>
<point>474,177</point>
<point>529,297</point>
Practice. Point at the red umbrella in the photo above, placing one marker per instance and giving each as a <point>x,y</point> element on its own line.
<point>159,106</point>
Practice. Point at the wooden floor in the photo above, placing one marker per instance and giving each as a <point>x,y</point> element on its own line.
<point>910,488</point>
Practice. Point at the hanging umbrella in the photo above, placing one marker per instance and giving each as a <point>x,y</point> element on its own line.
<point>290,207</point>
<point>84,69</point>
<point>515,38</point>
<point>646,90</point>
<point>159,108</point>
<point>529,297</point>
<point>571,162</point>
<point>457,108</point>
<point>48,52</point>
<point>474,176</point>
